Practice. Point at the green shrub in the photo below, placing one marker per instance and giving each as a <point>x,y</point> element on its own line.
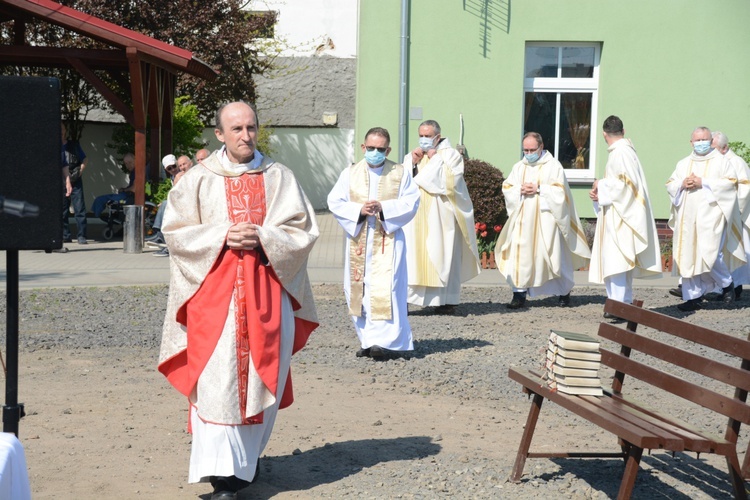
<point>741,150</point>
<point>485,184</point>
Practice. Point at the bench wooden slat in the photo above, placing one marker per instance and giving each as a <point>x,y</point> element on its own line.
<point>631,433</point>
<point>695,439</point>
<point>674,438</point>
<point>698,334</point>
<point>724,405</point>
<point>731,375</point>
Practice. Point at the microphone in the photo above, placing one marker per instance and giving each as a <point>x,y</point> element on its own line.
<point>18,208</point>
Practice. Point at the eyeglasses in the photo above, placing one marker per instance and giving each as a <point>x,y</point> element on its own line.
<point>373,148</point>
<point>170,167</point>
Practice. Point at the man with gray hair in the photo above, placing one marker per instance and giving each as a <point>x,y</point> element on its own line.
<point>707,243</point>
<point>441,245</point>
<point>741,275</point>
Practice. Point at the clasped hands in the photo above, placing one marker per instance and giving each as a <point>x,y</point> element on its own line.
<point>692,181</point>
<point>243,236</point>
<point>529,188</point>
<point>371,207</point>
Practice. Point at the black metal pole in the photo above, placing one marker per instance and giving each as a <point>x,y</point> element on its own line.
<point>12,411</point>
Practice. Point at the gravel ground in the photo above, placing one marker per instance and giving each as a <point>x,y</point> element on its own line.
<point>445,423</point>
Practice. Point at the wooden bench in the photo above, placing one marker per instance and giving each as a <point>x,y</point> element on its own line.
<point>639,426</point>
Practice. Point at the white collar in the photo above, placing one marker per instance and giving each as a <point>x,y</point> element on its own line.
<point>239,168</point>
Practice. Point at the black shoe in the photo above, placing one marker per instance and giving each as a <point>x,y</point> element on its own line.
<point>363,353</point>
<point>382,354</point>
<point>222,489</point>
<point>690,305</point>
<point>563,300</point>
<point>519,300</point>
<point>727,294</point>
<point>447,309</point>
<point>677,292</point>
<point>737,292</point>
<point>226,488</point>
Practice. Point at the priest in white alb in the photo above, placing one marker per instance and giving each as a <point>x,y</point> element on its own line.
<point>626,244</point>
<point>372,201</point>
<point>705,217</point>
<point>239,230</point>
<point>720,142</point>
<point>441,240</point>
<point>542,242</point>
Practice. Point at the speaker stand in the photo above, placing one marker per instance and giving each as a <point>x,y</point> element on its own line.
<point>12,410</point>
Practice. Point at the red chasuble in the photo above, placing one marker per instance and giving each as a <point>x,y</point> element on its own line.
<point>245,277</point>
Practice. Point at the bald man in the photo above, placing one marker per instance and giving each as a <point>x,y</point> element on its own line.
<point>239,229</point>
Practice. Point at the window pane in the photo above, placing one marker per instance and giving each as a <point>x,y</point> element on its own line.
<point>574,143</point>
<point>541,62</point>
<point>575,130</point>
<point>577,62</point>
<point>539,116</point>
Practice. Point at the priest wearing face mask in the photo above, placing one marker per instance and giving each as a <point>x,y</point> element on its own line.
<point>542,242</point>
<point>705,217</point>
<point>441,242</point>
<point>372,201</point>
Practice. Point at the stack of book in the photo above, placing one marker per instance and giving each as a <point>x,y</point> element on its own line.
<point>572,363</point>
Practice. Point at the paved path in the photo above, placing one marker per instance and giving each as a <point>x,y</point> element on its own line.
<point>102,263</point>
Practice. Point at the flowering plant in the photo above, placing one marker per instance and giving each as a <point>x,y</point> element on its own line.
<point>486,238</point>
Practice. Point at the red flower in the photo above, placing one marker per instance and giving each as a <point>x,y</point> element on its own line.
<point>498,228</point>
<point>482,226</point>
<point>483,234</point>
<point>476,226</point>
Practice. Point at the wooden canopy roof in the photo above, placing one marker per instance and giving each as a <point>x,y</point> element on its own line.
<point>151,65</point>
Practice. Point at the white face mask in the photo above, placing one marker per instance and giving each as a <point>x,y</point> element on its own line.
<point>701,147</point>
<point>426,143</point>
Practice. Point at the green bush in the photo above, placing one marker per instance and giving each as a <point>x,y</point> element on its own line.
<point>741,150</point>
<point>485,184</point>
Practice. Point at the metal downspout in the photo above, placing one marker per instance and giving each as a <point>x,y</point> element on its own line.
<point>403,112</point>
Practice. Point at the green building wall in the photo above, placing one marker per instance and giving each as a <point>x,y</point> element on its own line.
<point>666,67</point>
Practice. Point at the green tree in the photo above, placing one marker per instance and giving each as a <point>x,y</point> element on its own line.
<point>219,32</point>
<point>187,128</point>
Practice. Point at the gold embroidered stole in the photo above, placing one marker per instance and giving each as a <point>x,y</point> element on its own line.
<point>381,272</point>
<point>425,273</point>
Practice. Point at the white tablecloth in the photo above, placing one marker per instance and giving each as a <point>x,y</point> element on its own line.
<point>14,479</point>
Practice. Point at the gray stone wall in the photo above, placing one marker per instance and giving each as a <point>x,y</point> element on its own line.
<point>303,89</point>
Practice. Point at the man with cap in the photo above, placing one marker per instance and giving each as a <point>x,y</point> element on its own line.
<point>157,238</point>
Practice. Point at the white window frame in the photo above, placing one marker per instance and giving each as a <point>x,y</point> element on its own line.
<point>559,84</point>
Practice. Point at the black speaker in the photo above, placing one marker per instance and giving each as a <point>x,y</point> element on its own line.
<point>31,166</point>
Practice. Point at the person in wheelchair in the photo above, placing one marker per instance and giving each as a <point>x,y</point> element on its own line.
<point>175,168</point>
<point>126,194</point>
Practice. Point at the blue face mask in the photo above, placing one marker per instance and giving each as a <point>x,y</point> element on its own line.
<point>533,157</point>
<point>426,143</point>
<point>701,147</point>
<point>374,157</point>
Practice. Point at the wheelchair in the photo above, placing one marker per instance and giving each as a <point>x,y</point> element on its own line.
<point>114,216</point>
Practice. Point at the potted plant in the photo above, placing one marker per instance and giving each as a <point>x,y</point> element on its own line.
<point>486,240</point>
